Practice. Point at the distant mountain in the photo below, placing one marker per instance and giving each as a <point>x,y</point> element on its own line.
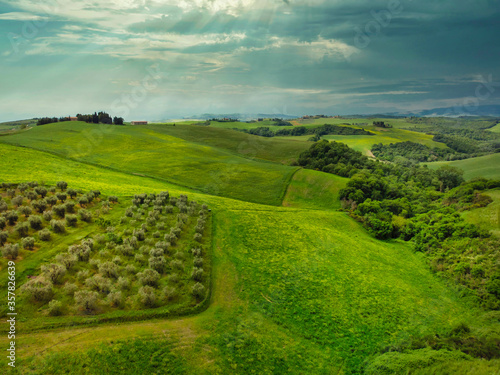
<point>242,116</point>
<point>483,110</point>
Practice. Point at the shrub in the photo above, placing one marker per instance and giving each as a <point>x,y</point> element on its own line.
<point>139,258</point>
<point>82,275</point>
<point>51,200</point>
<point>39,205</point>
<point>198,291</point>
<point>158,263</point>
<point>57,226</point>
<point>132,241</point>
<point>197,274</point>
<point>83,201</point>
<point>71,220</point>
<point>198,262</point>
<point>169,209</point>
<point>72,193</point>
<point>11,193</point>
<point>52,189</point>
<point>173,278</point>
<point>115,298</point>
<point>113,199</point>
<point>140,235</point>
<point>62,185</point>
<point>180,255</point>
<point>39,289</point>
<point>62,197</point>
<point>126,250</point>
<point>22,187</point>
<point>197,237</point>
<point>3,222</point>
<point>67,260</point>
<point>10,251</point>
<point>17,201</point>
<point>88,242</point>
<point>148,277</point>
<point>44,235</point>
<point>55,308</point>
<point>123,283</point>
<point>177,264</point>
<point>117,260</point>
<point>156,252</point>
<point>40,190</point>
<point>70,288</point>
<point>12,217</point>
<point>28,243</point>
<point>25,210</point>
<point>170,293</point>
<point>130,268</point>
<point>54,272</point>
<point>171,238</point>
<point>69,207</point>
<point>4,235</point>
<point>47,215</point>
<point>147,296</point>
<point>100,239</point>
<point>31,195</point>
<point>129,212</point>
<point>85,216</point>
<point>59,210</point>
<point>156,234</point>
<point>109,269</point>
<point>3,206</point>
<point>22,229</point>
<point>82,252</point>
<point>35,222</point>
<point>86,300</point>
<point>99,283</point>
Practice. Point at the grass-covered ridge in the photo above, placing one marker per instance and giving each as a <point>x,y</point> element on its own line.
<point>143,151</point>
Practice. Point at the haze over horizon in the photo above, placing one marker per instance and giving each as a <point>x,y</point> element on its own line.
<point>153,60</point>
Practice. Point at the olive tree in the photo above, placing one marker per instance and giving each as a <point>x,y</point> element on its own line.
<point>44,235</point>
<point>54,272</point>
<point>55,308</point>
<point>39,289</point>
<point>35,222</point>
<point>47,215</point>
<point>12,217</point>
<point>10,251</point>
<point>67,260</point>
<point>3,222</point>
<point>115,298</point>
<point>71,220</point>
<point>22,229</point>
<point>57,226</point>
<point>148,277</point>
<point>146,296</point>
<point>28,243</point>
<point>86,300</point>
<point>70,289</point>
<point>62,185</point>
<point>17,200</point>
<point>59,210</point>
<point>198,291</point>
<point>157,263</point>
<point>25,210</point>
<point>4,235</point>
<point>108,269</point>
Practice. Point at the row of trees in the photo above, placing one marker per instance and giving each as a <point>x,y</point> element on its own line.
<point>319,131</point>
<point>95,118</point>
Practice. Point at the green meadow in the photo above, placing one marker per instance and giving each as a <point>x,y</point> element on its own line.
<point>296,285</point>
<point>483,166</point>
<point>487,217</point>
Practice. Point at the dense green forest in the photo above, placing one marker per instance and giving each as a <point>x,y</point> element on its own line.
<point>316,132</point>
<point>415,203</point>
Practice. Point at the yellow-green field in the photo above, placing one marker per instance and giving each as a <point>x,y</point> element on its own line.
<point>487,217</point>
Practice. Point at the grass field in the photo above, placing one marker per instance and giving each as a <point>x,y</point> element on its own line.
<point>143,151</point>
<point>314,190</point>
<point>299,289</point>
<point>487,217</point>
<point>483,166</point>
<point>495,129</point>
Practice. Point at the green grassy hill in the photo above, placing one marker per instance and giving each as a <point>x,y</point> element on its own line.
<point>295,289</point>
<point>144,151</point>
<point>487,217</point>
<point>483,166</point>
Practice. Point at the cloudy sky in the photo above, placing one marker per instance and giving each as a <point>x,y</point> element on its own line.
<point>164,59</point>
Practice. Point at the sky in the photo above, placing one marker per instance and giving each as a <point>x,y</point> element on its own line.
<point>166,59</point>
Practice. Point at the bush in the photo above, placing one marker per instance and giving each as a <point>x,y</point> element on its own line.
<point>139,258</point>
<point>157,263</point>
<point>3,206</point>
<point>197,237</point>
<point>71,220</point>
<point>198,291</point>
<point>44,235</point>
<point>113,199</point>
<point>35,222</point>
<point>22,229</point>
<point>3,222</point>
<point>70,289</point>
<point>198,262</point>
<point>10,251</point>
<point>62,197</point>
<point>147,296</point>
<point>4,235</point>
<point>55,308</point>
<point>82,275</point>
<point>180,255</point>
<point>12,217</point>
<point>59,210</point>
<point>67,260</point>
<point>54,272</point>
<point>39,289</point>
<point>83,201</point>
<point>39,205</point>
<point>123,283</point>
<point>109,269</point>
<point>47,215</point>
<point>28,243</point>
<point>170,293</point>
<point>140,235</point>
<point>156,252</point>
<point>115,298</point>
<point>69,207</point>
<point>62,185</point>
<point>130,268</point>
<point>72,193</point>
<point>177,264</point>
<point>173,278</point>
<point>85,216</point>
<point>57,226</point>
<point>86,300</point>
<point>17,201</point>
<point>197,274</point>
<point>98,283</point>
<point>51,201</point>
<point>148,277</point>
<point>82,252</point>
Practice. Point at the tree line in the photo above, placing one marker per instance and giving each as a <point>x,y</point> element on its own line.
<point>326,129</point>
<point>95,118</point>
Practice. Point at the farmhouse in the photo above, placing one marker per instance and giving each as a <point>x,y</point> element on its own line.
<point>139,122</point>
<point>73,119</point>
